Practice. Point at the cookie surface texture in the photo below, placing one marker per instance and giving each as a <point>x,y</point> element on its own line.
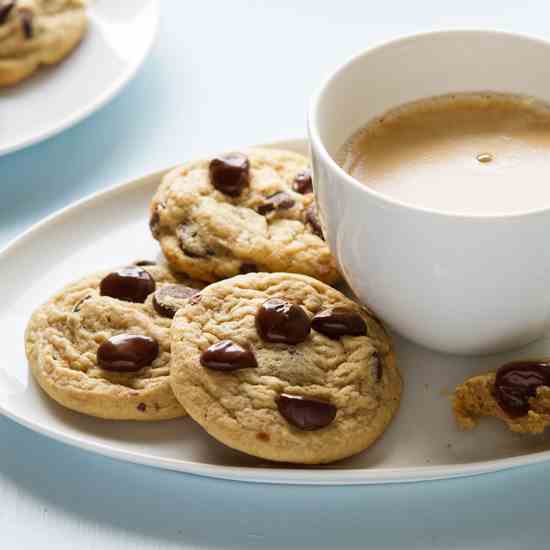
<point>108,317</point>
<point>327,395</point>
<point>241,212</point>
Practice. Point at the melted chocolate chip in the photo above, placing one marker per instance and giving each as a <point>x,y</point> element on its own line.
<point>154,224</point>
<point>143,263</point>
<point>313,220</point>
<point>305,413</point>
<point>167,299</point>
<point>228,356</point>
<point>516,382</point>
<point>131,284</point>
<point>248,267</point>
<point>142,407</point>
<point>277,201</point>
<point>26,18</point>
<point>339,321</point>
<point>263,436</point>
<point>127,352</point>
<point>303,183</point>
<point>281,322</point>
<point>5,10</point>
<point>230,173</point>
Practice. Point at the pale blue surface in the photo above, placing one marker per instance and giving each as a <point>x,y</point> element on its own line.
<point>241,76</point>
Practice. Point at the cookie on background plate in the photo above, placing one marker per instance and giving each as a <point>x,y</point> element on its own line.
<point>37,32</point>
<point>241,213</point>
<point>101,346</point>
<point>517,393</point>
<point>283,367</point>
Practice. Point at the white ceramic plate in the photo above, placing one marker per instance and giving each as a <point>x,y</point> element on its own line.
<point>110,228</point>
<point>119,36</point>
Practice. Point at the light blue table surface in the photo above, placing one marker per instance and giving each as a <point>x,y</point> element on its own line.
<point>225,74</point>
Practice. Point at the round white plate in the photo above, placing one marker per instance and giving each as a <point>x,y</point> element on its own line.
<point>119,36</point>
<point>109,229</point>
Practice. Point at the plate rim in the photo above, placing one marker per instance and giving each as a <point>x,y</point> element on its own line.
<point>275,475</point>
<point>105,97</point>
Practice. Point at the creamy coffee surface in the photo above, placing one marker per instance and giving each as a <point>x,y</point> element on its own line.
<point>482,153</point>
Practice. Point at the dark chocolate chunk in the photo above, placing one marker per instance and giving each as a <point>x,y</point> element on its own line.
<point>228,356</point>
<point>248,267</point>
<point>154,224</point>
<point>279,321</point>
<point>305,413</point>
<point>26,18</point>
<point>339,321</point>
<point>127,352</point>
<point>143,263</point>
<point>313,220</point>
<point>142,407</point>
<point>277,201</point>
<point>167,299</point>
<point>5,10</point>
<point>230,173</point>
<point>131,284</point>
<point>303,183</point>
<point>516,382</point>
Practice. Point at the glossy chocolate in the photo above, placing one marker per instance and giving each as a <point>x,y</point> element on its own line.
<point>516,382</point>
<point>230,173</point>
<point>127,352</point>
<point>281,322</point>
<point>228,356</point>
<point>130,284</point>
<point>339,321</point>
<point>302,182</point>
<point>305,413</point>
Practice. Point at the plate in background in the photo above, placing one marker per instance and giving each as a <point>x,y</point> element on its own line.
<point>110,228</point>
<point>119,37</point>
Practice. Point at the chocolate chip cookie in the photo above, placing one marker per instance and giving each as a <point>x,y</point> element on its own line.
<point>284,367</point>
<point>101,346</point>
<point>37,32</point>
<point>518,393</point>
<point>241,213</point>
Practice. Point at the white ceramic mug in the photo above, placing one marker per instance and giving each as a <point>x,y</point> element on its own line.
<point>465,284</point>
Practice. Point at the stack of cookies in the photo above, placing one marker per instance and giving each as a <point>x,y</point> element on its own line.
<point>241,329</point>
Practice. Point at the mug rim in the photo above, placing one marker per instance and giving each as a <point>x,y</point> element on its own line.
<point>387,200</point>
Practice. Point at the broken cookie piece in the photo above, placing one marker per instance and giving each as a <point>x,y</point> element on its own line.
<point>518,393</point>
